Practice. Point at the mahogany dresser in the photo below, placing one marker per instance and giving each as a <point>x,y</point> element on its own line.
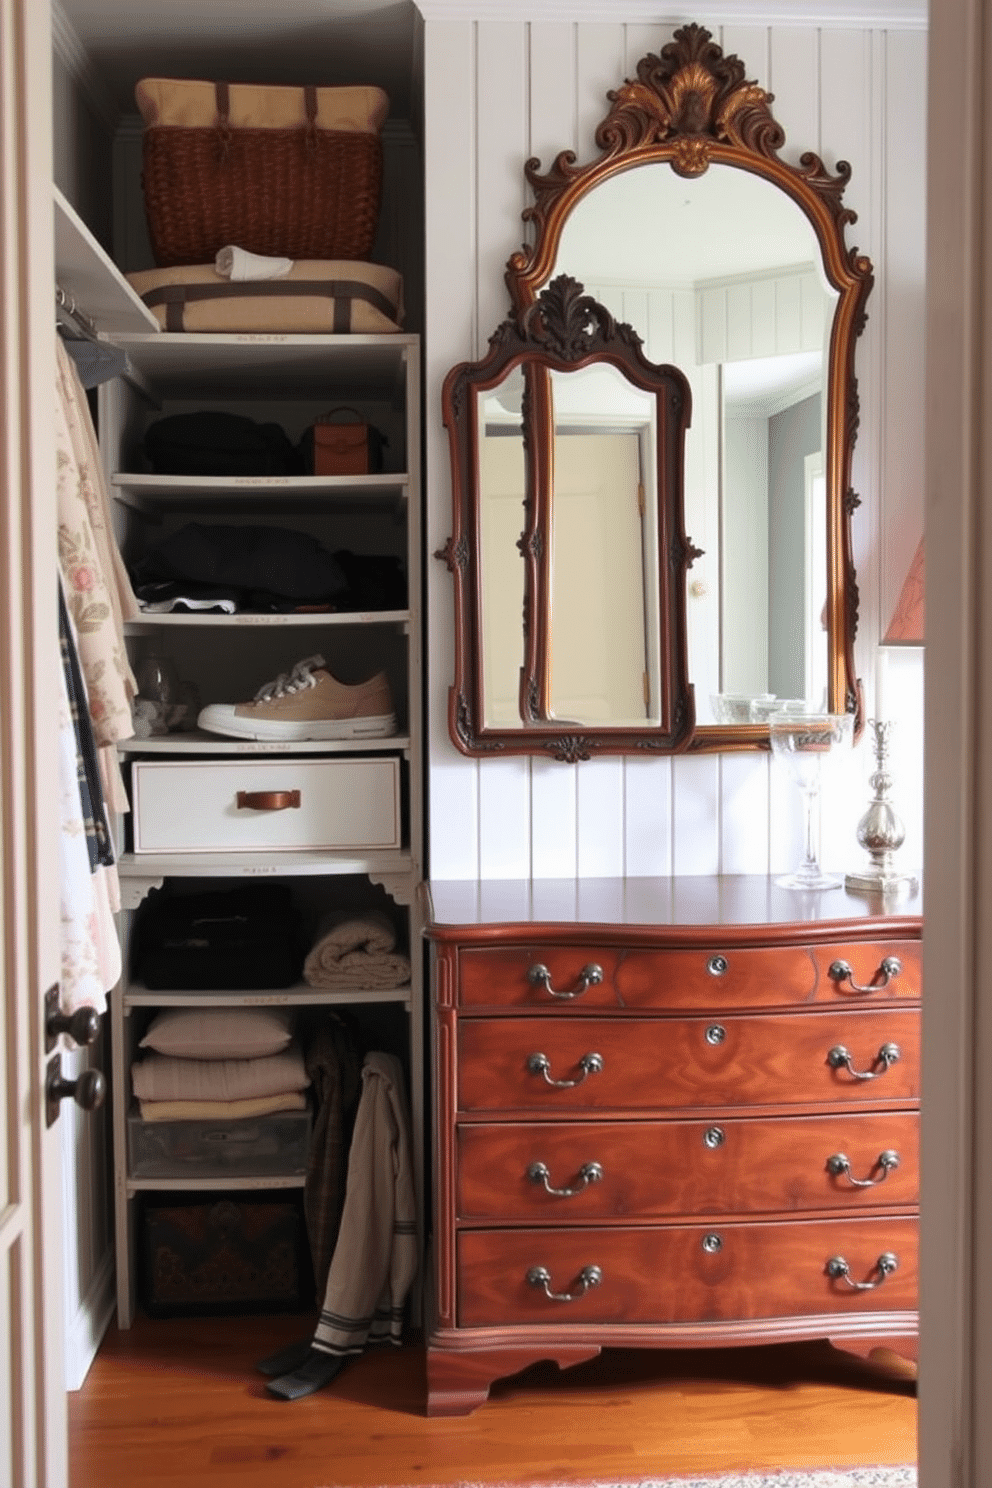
<point>668,1112</point>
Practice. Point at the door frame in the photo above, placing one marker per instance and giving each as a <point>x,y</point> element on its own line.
<point>32,1374</point>
<point>956,1162</point>
<point>956,1291</point>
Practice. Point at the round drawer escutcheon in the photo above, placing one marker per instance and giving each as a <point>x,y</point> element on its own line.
<point>716,1033</point>
<point>717,965</point>
<point>712,1244</point>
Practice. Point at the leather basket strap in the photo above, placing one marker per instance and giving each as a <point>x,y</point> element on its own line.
<point>222,92</point>
<point>342,291</point>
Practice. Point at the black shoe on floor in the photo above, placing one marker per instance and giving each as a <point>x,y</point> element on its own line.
<point>317,1370</point>
<point>286,1359</point>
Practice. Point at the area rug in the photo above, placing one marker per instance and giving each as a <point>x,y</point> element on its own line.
<point>837,1477</point>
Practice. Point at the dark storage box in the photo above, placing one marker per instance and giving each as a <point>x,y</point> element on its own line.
<point>223,1253</point>
<point>270,1146</point>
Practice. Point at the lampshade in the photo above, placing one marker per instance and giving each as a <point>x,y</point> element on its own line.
<point>906,625</point>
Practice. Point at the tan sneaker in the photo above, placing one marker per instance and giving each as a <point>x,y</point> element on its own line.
<point>307,703</point>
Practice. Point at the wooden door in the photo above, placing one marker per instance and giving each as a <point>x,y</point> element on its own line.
<point>32,1379</point>
<point>599,652</point>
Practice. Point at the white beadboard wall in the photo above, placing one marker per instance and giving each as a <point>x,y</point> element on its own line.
<point>498,91</point>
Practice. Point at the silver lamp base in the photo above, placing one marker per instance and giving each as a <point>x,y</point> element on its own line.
<point>877,881</point>
<point>881,832</point>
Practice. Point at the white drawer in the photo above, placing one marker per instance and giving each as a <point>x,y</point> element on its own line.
<point>265,805</point>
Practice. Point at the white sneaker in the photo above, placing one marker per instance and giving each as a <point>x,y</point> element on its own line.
<point>307,703</point>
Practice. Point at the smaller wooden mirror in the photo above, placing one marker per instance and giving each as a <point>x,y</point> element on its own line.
<point>733,266</point>
<point>567,456</point>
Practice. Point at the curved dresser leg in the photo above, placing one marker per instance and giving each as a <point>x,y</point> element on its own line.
<point>458,1381</point>
<point>893,1358</point>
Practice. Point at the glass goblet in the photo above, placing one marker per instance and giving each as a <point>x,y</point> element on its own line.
<point>804,742</point>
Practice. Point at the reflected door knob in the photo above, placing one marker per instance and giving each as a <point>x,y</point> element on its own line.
<point>88,1090</point>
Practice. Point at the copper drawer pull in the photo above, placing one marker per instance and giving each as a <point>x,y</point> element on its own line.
<point>589,976</point>
<point>590,1172</point>
<point>268,800</point>
<point>840,1058</point>
<point>540,1276</point>
<point>839,1164</point>
<point>842,971</point>
<point>839,1270</point>
<point>589,1064</point>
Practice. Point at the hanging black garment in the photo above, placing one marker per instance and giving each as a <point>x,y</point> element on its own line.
<point>98,841</point>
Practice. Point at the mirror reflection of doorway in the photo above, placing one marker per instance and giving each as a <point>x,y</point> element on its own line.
<point>601,670</point>
<point>599,663</point>
<point>502,484</point>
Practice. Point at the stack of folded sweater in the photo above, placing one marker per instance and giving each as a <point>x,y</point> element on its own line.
<point>219,1063</point>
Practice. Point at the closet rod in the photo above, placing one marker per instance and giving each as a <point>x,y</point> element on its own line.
<point>68,313</point>
<point>69,317</point>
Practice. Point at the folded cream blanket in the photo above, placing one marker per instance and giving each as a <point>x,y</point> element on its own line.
<point>356,951</point>
<point>160,1077</point>
<point>218,1110</point>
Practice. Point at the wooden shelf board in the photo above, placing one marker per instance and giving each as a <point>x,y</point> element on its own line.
<point>196,364</point>
<point>147,493</point>
<point>262,864</point>
<point>196,743</point>
<point>247,621</point>
<point>91,279</point>
<point>208,1185</point>
<point>299,995</point>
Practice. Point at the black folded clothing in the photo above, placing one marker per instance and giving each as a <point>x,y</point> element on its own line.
<point>374,582</point>
<point>219,939</point>
<point>226,560</point>
<point>217,443</point>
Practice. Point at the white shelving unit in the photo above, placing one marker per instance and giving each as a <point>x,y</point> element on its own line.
<point>290,379</point>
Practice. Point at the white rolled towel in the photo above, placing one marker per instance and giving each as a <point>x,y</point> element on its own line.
<point>237,263</point>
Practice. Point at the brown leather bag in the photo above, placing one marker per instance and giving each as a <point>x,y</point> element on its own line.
<point>352,448</point>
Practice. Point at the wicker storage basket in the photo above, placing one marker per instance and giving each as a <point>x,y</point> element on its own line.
<point>292,172</point>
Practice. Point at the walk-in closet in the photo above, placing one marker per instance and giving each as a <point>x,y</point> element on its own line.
<point>316,844</point>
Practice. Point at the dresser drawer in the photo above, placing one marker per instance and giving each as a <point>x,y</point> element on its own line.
<point>634,1064</point>
<point>593,977</point>
<point>567,1172</point>
<point>683,1273</point>
<point>265,805</point>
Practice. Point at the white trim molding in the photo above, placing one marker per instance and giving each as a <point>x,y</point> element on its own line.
<point>84,1331</point>
<point>883,15</point>
<point>67,46</point>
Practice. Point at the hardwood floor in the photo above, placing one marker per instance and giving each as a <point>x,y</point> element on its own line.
<point>180,1402</point>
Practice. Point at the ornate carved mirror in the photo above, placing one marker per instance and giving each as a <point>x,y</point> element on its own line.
<point>731,265</point>
<point>571,634</point>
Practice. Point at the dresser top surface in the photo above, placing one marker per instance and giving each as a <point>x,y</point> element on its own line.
<point>724,901</point>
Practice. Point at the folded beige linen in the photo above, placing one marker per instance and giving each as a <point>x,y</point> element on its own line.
<point>160,1077</point>
<point>316,294</point>
<point>356,951</point>
<point>218,1110</point>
